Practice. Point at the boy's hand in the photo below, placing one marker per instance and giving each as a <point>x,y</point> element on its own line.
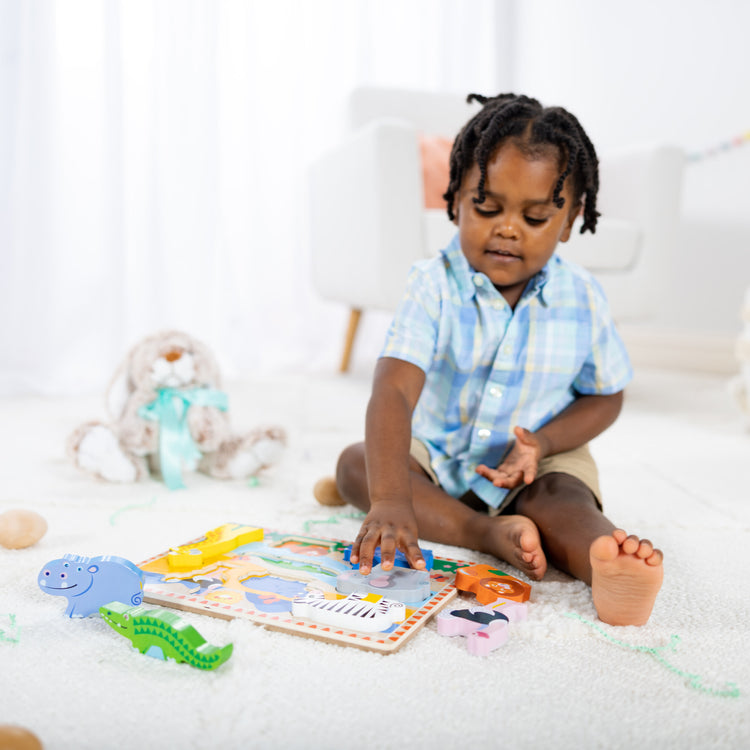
<point>520,465</point>
<point>393,526</point>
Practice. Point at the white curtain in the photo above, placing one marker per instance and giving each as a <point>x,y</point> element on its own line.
<point>153,161</point>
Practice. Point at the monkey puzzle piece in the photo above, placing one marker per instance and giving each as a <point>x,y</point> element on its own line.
<point>399,561</point>
<point>163,634</point>
<point>488,584</point>
<point>89,582</point>
<point>216,542</point>
<point>371,613</point>
<point>402,584</point>
<point>485,628</point>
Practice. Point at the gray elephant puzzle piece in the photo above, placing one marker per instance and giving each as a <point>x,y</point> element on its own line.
<point>401,584</point>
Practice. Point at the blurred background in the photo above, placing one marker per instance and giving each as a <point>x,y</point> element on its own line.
<point>154,158</point>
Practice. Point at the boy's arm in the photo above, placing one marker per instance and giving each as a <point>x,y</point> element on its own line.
<point>390,521</point>
<point>583,420</point>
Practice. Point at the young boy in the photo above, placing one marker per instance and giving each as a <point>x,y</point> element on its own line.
<point>501,363</point>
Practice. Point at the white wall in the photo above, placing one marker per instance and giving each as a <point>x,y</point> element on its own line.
<point>154,168</point>
<point>668,71</point>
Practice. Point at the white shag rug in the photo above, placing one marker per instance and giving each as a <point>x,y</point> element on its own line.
<point>674,469</point>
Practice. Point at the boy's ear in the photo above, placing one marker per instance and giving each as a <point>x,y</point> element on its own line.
<point>575,212</point>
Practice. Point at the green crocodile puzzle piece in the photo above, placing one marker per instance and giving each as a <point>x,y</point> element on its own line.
<point>162,633</point>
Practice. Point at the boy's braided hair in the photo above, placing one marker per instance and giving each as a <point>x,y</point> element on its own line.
<point>534,129</point>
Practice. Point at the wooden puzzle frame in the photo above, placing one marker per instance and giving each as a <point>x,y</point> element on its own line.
<point>257,581</point>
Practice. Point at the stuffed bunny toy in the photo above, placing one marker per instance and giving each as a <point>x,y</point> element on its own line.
<point>167,413</point>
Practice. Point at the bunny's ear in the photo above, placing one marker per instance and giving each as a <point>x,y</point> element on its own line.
<point>206,365</point>
<point>119,391</point>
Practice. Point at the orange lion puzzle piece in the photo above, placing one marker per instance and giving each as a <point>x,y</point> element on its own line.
<point>488,584</point>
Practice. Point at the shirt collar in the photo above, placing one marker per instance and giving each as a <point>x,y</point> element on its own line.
<point>464,274</point>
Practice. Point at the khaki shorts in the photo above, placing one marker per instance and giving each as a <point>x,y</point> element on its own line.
<point>579,463</point>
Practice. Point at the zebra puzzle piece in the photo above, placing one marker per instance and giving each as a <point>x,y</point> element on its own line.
<point>488,584</point>
<point>89,582</point>
<point>368,612</point>
<point>402,584</point>
<point>163,634</point>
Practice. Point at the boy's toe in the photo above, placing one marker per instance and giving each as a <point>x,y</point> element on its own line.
<point>655,558</point>
<point>630,545</point>
<point>645,549</point>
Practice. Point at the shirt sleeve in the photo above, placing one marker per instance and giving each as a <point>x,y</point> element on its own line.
<point>412,335</point>
<point>607,369</point>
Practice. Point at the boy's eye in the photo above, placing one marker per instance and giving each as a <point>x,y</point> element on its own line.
<point>532,221</point>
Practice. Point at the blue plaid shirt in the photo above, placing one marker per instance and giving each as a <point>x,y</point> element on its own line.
<point>489,368</point>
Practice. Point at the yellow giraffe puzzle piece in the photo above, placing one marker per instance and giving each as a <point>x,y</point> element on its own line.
<point>218,541</point>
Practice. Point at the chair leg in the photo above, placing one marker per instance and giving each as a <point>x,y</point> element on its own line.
<point>351,332</point>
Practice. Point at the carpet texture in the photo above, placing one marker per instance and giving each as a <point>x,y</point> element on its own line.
<point>674,469</point>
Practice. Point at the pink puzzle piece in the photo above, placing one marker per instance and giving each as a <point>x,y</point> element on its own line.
<point>483,641</point>
<point>485,628</point>
<point>514,611</point>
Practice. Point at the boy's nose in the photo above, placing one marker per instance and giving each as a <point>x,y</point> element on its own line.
<point>507,228</point>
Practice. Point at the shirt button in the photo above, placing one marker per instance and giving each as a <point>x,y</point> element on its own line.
<point>478,280</point>
<point>483,434</point>
<point>496,392</point>
<point>498,304</point>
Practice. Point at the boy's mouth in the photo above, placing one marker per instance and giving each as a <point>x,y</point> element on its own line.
<point>502,253</point>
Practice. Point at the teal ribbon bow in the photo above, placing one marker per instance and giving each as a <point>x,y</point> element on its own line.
<point>176,444</point>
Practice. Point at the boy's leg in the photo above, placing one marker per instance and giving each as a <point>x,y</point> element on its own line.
<point>568,518</point>
<point>445,520</point>
<point>557,514</point>
<point>625,573</point>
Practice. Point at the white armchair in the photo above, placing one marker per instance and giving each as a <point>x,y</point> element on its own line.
<point>633,250</point>
<point>369,222</point>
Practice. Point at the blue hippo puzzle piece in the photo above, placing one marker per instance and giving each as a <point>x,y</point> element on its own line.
<point>400,560</point>
<point>90,582</point>
<point>402,584</point>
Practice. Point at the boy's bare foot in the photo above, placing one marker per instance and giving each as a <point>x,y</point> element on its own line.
<point>626,575</point>
<point>515,539</point>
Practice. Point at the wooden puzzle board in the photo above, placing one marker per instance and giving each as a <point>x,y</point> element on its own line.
<point>258,580</point>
